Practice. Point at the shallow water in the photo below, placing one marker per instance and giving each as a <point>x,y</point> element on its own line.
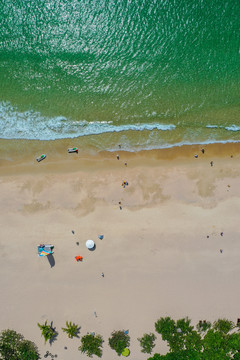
<point>146,75</point>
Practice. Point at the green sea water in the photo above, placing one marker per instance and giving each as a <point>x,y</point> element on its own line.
<point>146,74</point>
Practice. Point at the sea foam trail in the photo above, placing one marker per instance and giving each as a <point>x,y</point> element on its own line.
<point>228,128</point>
<point>33,126</point>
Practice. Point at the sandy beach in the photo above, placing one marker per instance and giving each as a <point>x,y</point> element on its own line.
<point>160,253</point>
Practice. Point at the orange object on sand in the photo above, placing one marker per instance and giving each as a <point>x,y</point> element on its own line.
<point>78,258</point>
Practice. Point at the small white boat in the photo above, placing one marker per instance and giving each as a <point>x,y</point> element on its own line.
<point>73,150</point>
<point>40,158</point>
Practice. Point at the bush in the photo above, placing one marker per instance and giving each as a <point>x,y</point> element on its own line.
<point>119,341</point>
<point>13,346</point>
<point>147,343</point>
<point>91,345</point>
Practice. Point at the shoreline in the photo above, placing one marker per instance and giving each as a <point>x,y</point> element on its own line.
<point>160,253</point>
<point>56,150</point>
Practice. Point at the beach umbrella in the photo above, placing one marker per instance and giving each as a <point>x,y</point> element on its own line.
<point>90,244</point>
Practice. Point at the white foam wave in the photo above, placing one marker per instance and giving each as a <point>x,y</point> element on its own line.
<point>32,125</point>
<point>233,128</point>
<point>228,128</point>
<point>167,145</point>
<point>212,126</point>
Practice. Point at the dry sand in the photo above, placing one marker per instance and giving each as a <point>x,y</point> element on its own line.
<point>160,253</point>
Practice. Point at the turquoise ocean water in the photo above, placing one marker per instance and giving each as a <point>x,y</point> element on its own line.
<point>144,74</point>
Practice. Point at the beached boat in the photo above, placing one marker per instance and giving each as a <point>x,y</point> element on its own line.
<point>40,158</point>
<point>73,150</point>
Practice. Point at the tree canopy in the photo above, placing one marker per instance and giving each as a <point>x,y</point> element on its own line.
<point>119,341</point>
<point>209,342</point>
<point>91,345</point>
<point>13,346</point>
<point>147,343</point>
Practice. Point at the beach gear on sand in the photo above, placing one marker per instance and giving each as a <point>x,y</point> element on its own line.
<point>79,258</point>
<point>73,150</point>
<point>90,244</point>
<point>40,158</point>
<point>100,237</point>
<point>126,352</point>
<point>45,250</point>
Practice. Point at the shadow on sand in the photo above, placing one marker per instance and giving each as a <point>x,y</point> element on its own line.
<point>51,260</point>
<point>54,337</point>
<point>92,249</point>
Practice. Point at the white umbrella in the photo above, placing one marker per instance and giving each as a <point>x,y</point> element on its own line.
<point>90,244</point>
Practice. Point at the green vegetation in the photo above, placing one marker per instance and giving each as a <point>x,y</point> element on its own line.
<point>147,343</point>
<point>203,325</point>
<point>223,326</point>
<point>13,346</point>
<point>119,341</point>
<point>217,342</point>
<point>71,329</point>
<point>91,345</point>
<point>47,331</point>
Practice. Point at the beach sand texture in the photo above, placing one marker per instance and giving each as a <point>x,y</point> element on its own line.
<point>160,254</point>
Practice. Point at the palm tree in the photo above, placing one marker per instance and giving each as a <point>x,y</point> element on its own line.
<point>47,331</point>
<point>71,329</point>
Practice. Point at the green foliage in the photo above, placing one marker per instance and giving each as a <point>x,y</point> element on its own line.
<point>47,331</point>
<point>157,357</point>
<point>234,342</point>
<point>119,341</point>
<point>91,345</point>
<point>166,327</point>
<point>193,341</point>
<point>223,325</point>
<point>147,343</point>
<point>13,346</point>
<point>71,329</point>
<point>214,344</point>
<point>184,325</point>
<point>176,334</point>
<point>207,343</point>
<point>203,325</point>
